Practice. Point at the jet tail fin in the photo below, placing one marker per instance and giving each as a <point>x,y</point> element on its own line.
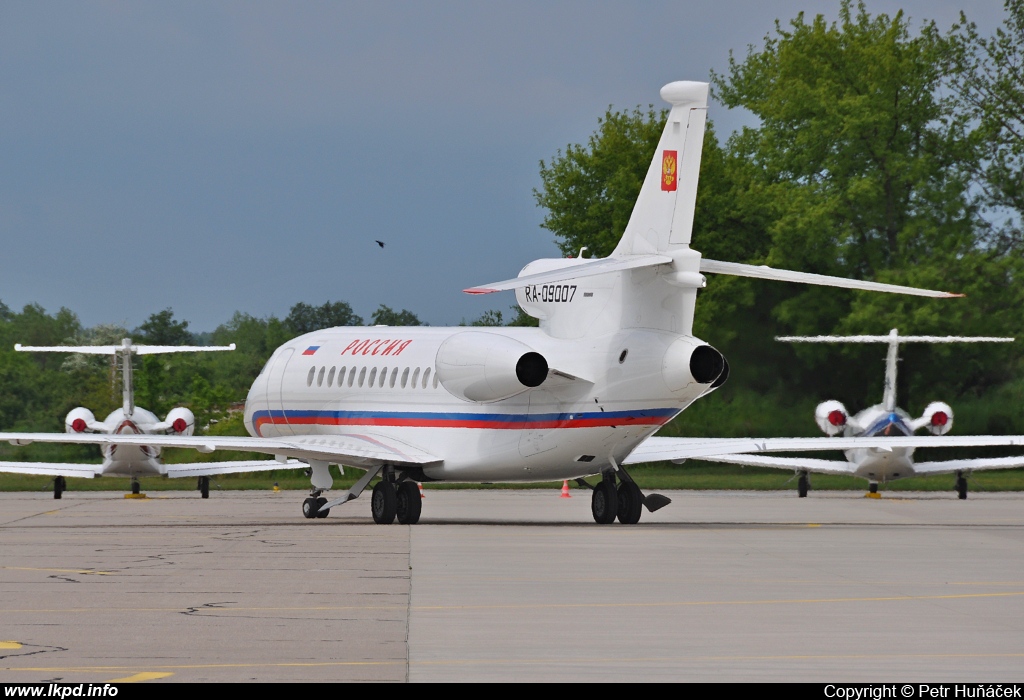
<point>662,218</point>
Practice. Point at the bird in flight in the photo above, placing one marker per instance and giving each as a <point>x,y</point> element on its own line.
<point>380,243</point>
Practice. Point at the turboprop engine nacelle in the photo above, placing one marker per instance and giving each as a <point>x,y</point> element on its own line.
<point>831,417</point>
<point>484,367</point>
<point>688,361</point>
<point>937,417</point>
<point>179,420</point>
<point>80,420</point>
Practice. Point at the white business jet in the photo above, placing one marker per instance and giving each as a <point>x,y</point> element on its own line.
<point>880,464</point>
<point>613,360</point>
<point>122,459</point>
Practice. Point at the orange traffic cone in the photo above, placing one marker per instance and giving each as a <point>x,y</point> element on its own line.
<point>565,490</point>
<point>421,491</point>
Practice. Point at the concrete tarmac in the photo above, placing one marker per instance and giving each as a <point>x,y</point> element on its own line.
<point>513,585</point>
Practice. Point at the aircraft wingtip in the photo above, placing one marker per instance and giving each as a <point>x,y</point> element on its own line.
<point>479,290</point>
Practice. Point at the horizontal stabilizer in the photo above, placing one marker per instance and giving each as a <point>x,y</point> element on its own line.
<point>115,349</point>
<point>215,468</point>
<point>771,273</point>
<point>51,469</point>
<point>570,272</point>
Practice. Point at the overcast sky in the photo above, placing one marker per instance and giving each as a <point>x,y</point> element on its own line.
<point>221,156</point>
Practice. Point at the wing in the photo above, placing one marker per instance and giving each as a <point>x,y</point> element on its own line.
<point>51,469</point>
<point>955,465</point>
<point>214,468</point>
<point>362,450</point>
<point>660,449</point>
<point>818,466</point>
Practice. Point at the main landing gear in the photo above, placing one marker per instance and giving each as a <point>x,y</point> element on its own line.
<point>204,487</point>
<point>625,502</point>
<point>961,486</point>
<point>59,486</point>
<point>312,507</point>
<point>803,484</point>
<point>391,500</point>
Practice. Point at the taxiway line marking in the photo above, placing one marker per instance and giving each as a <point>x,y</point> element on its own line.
<point>533,606</point>
<point>140,677</point>
<point>92,572</point>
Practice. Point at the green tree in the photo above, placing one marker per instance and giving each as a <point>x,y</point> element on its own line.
<point>386,316</point>
<point>304,318</point>
<point>983,75</point>
<point>162,329</point>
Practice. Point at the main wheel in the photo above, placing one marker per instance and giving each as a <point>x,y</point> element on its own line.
<point>204,486</point>
<point>803,485</point>
<point>384,503</point>
<point>309,507</point>
<point>409,505</point>
<point>631,503</point>
<point>604,503</point>
<point>321,511</point>
<point>961,488</point>
<point>136,489</point>
<point>59,486</point>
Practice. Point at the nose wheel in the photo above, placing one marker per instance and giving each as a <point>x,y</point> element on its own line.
<point>59,487</point>
<point>803,485</point>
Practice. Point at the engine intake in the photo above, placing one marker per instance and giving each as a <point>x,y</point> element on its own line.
<point>483,367</point>
<point>79,420</point>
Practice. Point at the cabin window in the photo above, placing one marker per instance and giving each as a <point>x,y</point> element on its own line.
<point>362,376</point>
<point>415,377</point>
<point>352,377</point>
<point>320,377</point>
<point>330,376</point>
<point>309,377</point>
<point>394,377</point>
<point>426,377</point>
<point>383,377</point>
<point>435,380</point>
<point>405,377</point>
<point>373,377</point>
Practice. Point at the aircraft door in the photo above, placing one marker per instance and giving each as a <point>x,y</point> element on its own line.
<point>275,395</point>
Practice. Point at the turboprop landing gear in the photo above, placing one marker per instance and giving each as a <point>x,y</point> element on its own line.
<point>961,486</point>
<point>59,486</point>
<point>803,485</point>
<point>204,486</point>
<point>136,489</point>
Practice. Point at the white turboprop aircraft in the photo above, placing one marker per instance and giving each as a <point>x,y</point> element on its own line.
<point>887,463</point>
<point>614,359</point>
<point>130,459</point>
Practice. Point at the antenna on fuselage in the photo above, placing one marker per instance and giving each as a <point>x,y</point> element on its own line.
<point>125,350</point>
<point>893,339</point>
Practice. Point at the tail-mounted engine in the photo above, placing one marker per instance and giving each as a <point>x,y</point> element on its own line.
<point>937,417</point>
<point>81,420</point>
<point>483,367</point>
<point>687,362</point>
<point>179,421</point>
<point>831,417</point>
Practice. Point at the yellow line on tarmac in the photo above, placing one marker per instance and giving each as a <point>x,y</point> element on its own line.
<point>543,606</point>
<point>59,571</point>
<point>139,677</point>
<point>10,645</point>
